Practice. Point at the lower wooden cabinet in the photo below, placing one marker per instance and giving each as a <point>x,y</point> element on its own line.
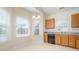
<point>64,40</point>
<point>77,42</point>
<point>72,41</point>
<point>57,39</point>
<point>45,37</point>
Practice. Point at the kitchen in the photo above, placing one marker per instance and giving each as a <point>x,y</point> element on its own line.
<point>64,26</point>
<point>39,28</point>
<point>32,29</point>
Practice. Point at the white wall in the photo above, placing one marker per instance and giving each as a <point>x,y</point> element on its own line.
<point>13,42</point>
<point>62,18</point>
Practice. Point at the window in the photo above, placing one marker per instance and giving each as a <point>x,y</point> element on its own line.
<point>22,27</point>
<point>36,27</point>
<point>3,25</point>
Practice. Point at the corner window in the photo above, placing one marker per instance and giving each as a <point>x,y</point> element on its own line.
<point>22,27</point>
<point>3,25</point>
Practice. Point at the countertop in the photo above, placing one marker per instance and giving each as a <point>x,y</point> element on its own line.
<point>63,33</point>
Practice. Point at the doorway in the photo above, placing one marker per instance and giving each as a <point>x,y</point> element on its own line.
<point>36,30</point>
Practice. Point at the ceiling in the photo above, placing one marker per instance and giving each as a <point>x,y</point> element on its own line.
<point>53,10</point>
<point>48,10</point>
<point>31,9</point>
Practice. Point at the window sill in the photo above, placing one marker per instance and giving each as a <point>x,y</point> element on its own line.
<point>22,35</point>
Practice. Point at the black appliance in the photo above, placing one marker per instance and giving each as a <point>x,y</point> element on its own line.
<point>51,38</point>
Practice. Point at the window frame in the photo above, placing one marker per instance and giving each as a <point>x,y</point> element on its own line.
<point>27,26</point>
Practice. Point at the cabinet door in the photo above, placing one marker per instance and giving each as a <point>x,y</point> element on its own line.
<point>75,20</point>
<point>77,42</point>
<point>52,23</point>
<point>64,40</point>
<point>72,40</point>
<point>47,24</point>
<point>57,39</point>
<point>45,37</point>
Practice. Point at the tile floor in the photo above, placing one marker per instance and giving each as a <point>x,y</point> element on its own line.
<point>46,47</point>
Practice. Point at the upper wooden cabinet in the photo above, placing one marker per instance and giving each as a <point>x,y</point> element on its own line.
<point>47,24</point>
<point>75,20</point>
<point>50,23</point>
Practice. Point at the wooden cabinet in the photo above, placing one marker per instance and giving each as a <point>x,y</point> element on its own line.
<point>64,40</point>
<point>75,20</point>
<point>47,24</point>
<point>57,39</point>
<point>45,37</point>
<point>77,42</point>
<point>72,41</point>
<point>50,23</point>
